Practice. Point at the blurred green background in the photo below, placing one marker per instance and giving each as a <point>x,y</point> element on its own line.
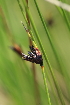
<point>17,85</point>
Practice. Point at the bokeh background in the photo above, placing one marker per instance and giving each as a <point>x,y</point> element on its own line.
<point>17,84</point>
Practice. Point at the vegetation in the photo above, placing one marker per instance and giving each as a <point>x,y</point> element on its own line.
<point>25,83</point>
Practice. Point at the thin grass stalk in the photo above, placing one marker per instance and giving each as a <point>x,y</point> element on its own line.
<point>49,37</point>
<point>46,58</point>
<point>21,8</point>
<point>47,32</point>
<point>31,32</point>
<point>28,25</point>
<point>59,9</point>
<point>37,94</point>
<point>42,67</point>
<point>46,87</point>
<point>53,48</point>
<point>66,19</point>
<point>37,34</point>
<point>65,1</point>
<point>63,13</point>
<point>38,100</point>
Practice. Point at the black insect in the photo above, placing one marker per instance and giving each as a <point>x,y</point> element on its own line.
<point>33,56</point>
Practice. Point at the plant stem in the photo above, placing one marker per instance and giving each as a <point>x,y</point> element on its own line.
<point>46,58</point>
<point>46,87</point>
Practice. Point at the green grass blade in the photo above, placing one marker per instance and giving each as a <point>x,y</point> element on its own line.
<point>46,87</point>
<point>46,58</point>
